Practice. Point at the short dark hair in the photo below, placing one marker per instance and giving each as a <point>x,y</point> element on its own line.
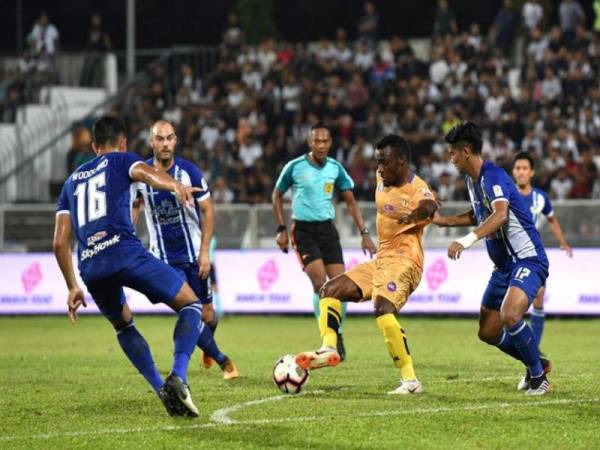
<point>465,133</point>
<point>524,155</point>
<point>107,130</point>
<point>397,143</point>
<point>320,125</point>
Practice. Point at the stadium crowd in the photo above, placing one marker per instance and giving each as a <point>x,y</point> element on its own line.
<point>253,112</point>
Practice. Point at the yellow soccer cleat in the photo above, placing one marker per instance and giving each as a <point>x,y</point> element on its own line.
<point>325,357</point>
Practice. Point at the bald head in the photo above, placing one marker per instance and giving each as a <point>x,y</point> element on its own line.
<point>163,141</point>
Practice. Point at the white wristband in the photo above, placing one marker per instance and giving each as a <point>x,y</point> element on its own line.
<point>468,240</point>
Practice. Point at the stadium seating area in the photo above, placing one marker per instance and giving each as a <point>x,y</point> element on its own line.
<point>252,114</point>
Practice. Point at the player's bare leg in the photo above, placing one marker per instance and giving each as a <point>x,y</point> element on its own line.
<point>513,308</point>
<point>208,317</point>
<point>339,289</point>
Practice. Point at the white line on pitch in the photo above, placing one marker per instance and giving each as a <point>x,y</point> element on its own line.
<point>403,412</point>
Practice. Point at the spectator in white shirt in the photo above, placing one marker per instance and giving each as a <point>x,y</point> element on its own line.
<point>250,151</point>
<point>533,13</point>
<point>44,36</point>
<point>561,185</point>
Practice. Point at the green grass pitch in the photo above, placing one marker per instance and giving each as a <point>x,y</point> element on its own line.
<point>64,386</point>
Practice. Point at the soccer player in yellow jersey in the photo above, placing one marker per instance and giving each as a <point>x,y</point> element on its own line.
<point>405,205</point>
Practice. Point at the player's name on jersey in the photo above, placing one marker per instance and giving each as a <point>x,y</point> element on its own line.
<point>88,173</point>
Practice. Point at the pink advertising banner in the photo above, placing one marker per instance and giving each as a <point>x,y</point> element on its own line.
<point>268,281</point>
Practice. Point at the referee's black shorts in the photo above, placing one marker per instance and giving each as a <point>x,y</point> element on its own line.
<point>316,240</point>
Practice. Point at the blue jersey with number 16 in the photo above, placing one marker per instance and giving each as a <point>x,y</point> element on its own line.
<point>98,196</point>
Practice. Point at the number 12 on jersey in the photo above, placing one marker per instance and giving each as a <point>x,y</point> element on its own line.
<point>96,199</point>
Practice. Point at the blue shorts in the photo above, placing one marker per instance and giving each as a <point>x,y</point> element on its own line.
<point>201,287</point>
<point>526,275</point>
<point>146,274</point>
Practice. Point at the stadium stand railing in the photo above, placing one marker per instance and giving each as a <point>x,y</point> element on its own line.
<point>29,228</point>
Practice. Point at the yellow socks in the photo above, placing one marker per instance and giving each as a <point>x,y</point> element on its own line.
<point>395,341</point>
<point>330,318</point>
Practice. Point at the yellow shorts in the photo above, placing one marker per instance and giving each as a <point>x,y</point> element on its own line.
<point>393,279</point>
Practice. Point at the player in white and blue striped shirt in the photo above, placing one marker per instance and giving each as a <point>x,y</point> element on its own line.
<point>180,234</point>
<point>538,203</point>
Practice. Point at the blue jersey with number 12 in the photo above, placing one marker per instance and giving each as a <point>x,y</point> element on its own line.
<point>98,197</point>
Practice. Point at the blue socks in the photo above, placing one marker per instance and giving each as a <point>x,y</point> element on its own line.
<point>136,348</point>
<point>185,337</point>
<point>525,343</point>
<point>507,345</point>
<point>537,324</point>
<point>208,344</point>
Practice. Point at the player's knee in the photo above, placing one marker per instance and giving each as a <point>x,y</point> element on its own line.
<point>328,289</point>
<point>382,307</point>
<point>487,337</point>
<point>509,318</point>
<point>120,324</point>
<point>208,313</point>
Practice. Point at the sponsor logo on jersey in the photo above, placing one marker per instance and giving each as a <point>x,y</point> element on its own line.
<point>96,237</point>
<point>91,252</point>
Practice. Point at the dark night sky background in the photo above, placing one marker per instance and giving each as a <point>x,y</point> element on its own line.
<point>164,23</point>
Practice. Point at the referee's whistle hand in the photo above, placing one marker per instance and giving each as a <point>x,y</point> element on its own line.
<point>282,241</point>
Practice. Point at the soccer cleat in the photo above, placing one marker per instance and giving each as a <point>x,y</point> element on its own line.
<point>325,357</point>
<point>206,360</point>
<point>524,383</point>
<point>178,396</point>
<point>539,386</point>
<point>340,347</point>
<point>408,387</point>
<point>230,371</point>
<point>169,403</point>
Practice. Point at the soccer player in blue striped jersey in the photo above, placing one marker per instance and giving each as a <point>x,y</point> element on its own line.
<point>95,204</point>
<point>180,235</point>
<point>538,203</point>
<point>514,246</point>
<point>313,178</point>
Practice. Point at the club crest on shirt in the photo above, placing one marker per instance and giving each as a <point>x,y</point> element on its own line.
<point>391,286</point>
<point>388,208</point>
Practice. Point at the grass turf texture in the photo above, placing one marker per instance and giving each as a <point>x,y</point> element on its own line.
<point>64,386</point>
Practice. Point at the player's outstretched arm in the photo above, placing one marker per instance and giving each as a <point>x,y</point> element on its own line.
<point>558,234</point>
<point>425,210</point>
<point>64,257</point>
<point>492,224</point>
<point>163,181</point>
<point>282,238</point>
<point>465,219</point>
<point>367,244</point>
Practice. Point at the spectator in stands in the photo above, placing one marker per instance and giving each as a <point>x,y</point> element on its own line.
<point>220,192</point>
<point>98,45</point>
<point>561,185</point>
<point>505,25</point>
<point>571,14</point>
<point>444,22</point>
<point>81,148</point>
<point>533,15</point>
<point>233,36</point>
<point>44,37</point>
<point>368,24</point>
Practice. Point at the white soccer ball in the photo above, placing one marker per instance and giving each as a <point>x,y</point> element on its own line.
<point>289,376</point>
